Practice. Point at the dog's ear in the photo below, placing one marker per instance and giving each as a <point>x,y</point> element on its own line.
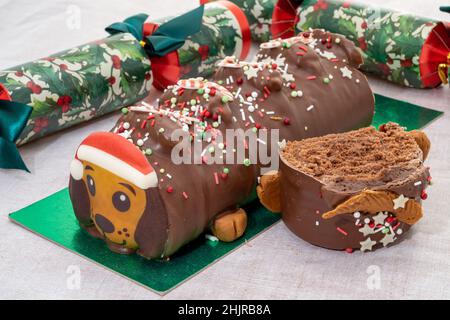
<point>152,229</point>
<point>80,201</point>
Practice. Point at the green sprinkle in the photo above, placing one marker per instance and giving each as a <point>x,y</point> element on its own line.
<point>225,99</point>
<point>215,124</point>
<point>124,110</point>
<point>193,102</point>
<point>254,129</point>
<point>148,151</point>
<point>385,230</point>
<point>226,170</point>
<point>247,162</point>
<point>294,94</point>
<point>326,80</point>
<point>211,149</point>
<point>201,91</point>
<point>220,82</point>
<point>206,96</point>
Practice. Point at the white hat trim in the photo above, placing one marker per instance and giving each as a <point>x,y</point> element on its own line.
<point>117,167</point>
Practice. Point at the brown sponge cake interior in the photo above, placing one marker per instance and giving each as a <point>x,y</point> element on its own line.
<point>357,159</point>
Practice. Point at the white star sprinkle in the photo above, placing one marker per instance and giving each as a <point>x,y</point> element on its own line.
<point>367,244</point>
<point>326,54</point>
<point>251,72</point>
<point>388,238</point>
<point>346,72</point>
<point>288,77</point>
<point>366,230</point>
<point>400,202</point>
<point>379,218</point>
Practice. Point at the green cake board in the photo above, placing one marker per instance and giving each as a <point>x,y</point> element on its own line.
<point>53,219</point>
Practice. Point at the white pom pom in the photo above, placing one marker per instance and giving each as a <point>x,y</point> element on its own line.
<point>76,169</point>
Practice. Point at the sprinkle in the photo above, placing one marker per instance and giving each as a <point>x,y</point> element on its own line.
<point>124,110</point>
<point>225,99</point>
<point>286,121</point>
<point>294,94</point>
<point>247,162</point>
<point>216,178</point>
<point>424,195</point>
<point>342,231</point>
<point>310,108</point>
<point>185,195</point>
<point>211,238</point>
<point>126,125</point>
<point>162,171</point>
<point>326,80</point>
<point>140,142</point>
<point>161,130</point>
<point>311,78</point>
<point>169,189</point>
<point>418,183</point>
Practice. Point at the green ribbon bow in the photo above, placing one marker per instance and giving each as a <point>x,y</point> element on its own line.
<point>168,37</point>
<point>13,119</point>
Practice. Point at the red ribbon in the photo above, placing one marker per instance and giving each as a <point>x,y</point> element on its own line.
<point>435,51</point>
<point>4,94</point>
<point>167,70</point>
<point>284,19</point>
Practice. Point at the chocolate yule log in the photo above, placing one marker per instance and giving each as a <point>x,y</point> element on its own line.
<point>127,188</point>
<point>306,89</point>
<point>358,190</point>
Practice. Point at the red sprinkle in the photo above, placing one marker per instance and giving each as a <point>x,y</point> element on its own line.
<point>286,121</point>
<point>143,124</point>
<point>216,178</point>
<point>292,85</point>
<point>342,231</point>
<point>169,189</point>
<point>311,78</point>
<point>302,47</point>
<point>349,250</point>
<point>424,195</point>
<point>185,195</point>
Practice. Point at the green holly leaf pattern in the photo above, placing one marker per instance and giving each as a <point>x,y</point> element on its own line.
<point>69,87</point>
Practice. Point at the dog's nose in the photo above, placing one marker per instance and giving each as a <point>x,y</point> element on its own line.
<point>104,224</point>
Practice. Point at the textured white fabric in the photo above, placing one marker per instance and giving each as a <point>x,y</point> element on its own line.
<point>276,265</point>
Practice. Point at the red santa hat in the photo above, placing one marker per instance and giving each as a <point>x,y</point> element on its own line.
<point>117,155</point>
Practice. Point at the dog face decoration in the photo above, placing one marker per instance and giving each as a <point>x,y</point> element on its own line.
<point>114,202</point>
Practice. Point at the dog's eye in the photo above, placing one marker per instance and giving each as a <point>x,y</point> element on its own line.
<point>121,201</point>
<point>91,185</point>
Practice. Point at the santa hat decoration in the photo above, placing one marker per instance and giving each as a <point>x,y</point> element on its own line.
<point>117,155</point>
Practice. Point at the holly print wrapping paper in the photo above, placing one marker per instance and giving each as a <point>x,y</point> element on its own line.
<point>222,34</point>
<point>402,48</point>
<point>79,84</point>
<point>259,16</point>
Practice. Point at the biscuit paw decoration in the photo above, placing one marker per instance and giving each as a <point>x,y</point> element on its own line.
<point>358,190</point>
<point>127,187</point>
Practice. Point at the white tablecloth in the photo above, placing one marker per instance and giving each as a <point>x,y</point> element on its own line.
<point>275,265</point>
